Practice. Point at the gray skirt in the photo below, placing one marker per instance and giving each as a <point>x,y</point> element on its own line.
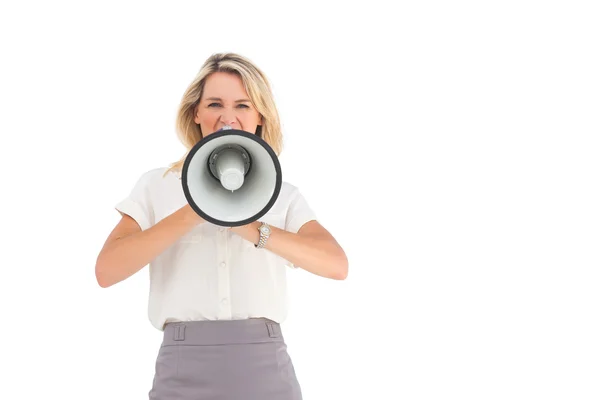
<point>224,360</point>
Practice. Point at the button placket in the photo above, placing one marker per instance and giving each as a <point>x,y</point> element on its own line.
<point>224,289</point>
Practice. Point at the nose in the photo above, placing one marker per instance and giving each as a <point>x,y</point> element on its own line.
<point>228,118</point>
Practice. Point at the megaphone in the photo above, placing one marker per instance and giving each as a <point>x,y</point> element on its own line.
<point>231,177</point>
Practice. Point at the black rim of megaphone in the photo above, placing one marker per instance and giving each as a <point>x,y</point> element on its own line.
<point>217,135</point>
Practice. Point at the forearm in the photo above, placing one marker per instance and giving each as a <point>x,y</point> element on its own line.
<point>319,255</point>
<point>123,257</point>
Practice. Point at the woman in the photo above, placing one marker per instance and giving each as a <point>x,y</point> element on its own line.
<point>217,297</point>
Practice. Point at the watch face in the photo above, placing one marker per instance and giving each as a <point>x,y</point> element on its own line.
<point>265,229</point>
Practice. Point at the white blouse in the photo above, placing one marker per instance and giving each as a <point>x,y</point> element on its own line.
<point>212,273</point>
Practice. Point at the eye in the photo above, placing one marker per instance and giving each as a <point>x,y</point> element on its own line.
<point>243,106</point>
<point>214,105</point>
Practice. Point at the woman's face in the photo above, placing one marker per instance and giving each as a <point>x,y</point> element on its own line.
<point>225,102</point>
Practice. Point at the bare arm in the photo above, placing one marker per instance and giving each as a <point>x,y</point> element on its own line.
<point>313,248</point>
<point>128,249</point>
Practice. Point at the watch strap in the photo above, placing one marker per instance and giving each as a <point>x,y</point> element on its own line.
<point>263,238</point>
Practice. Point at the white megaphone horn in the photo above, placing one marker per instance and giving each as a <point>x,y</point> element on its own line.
<point>231,177</point>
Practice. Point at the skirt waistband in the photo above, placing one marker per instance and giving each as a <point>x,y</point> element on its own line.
<point>207,333</point>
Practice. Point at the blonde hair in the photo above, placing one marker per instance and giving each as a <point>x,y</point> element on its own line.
<point>257,86</point>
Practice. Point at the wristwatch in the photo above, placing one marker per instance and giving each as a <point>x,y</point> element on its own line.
<point>265,232</point>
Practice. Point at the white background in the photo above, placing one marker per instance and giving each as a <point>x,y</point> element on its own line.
<point>450,147</point>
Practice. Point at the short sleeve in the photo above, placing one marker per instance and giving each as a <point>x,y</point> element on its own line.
<point>137,204</point>
<point>299,213</point>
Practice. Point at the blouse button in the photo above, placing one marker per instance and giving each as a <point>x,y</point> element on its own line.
<point>223,264</point>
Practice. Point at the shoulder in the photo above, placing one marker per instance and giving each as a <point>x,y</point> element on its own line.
<point>288,188</point>
<point>154,172</point>
<point>155,182</point>
<point>289,192</point>
<point>156,177</point>
<point>290,195</point>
